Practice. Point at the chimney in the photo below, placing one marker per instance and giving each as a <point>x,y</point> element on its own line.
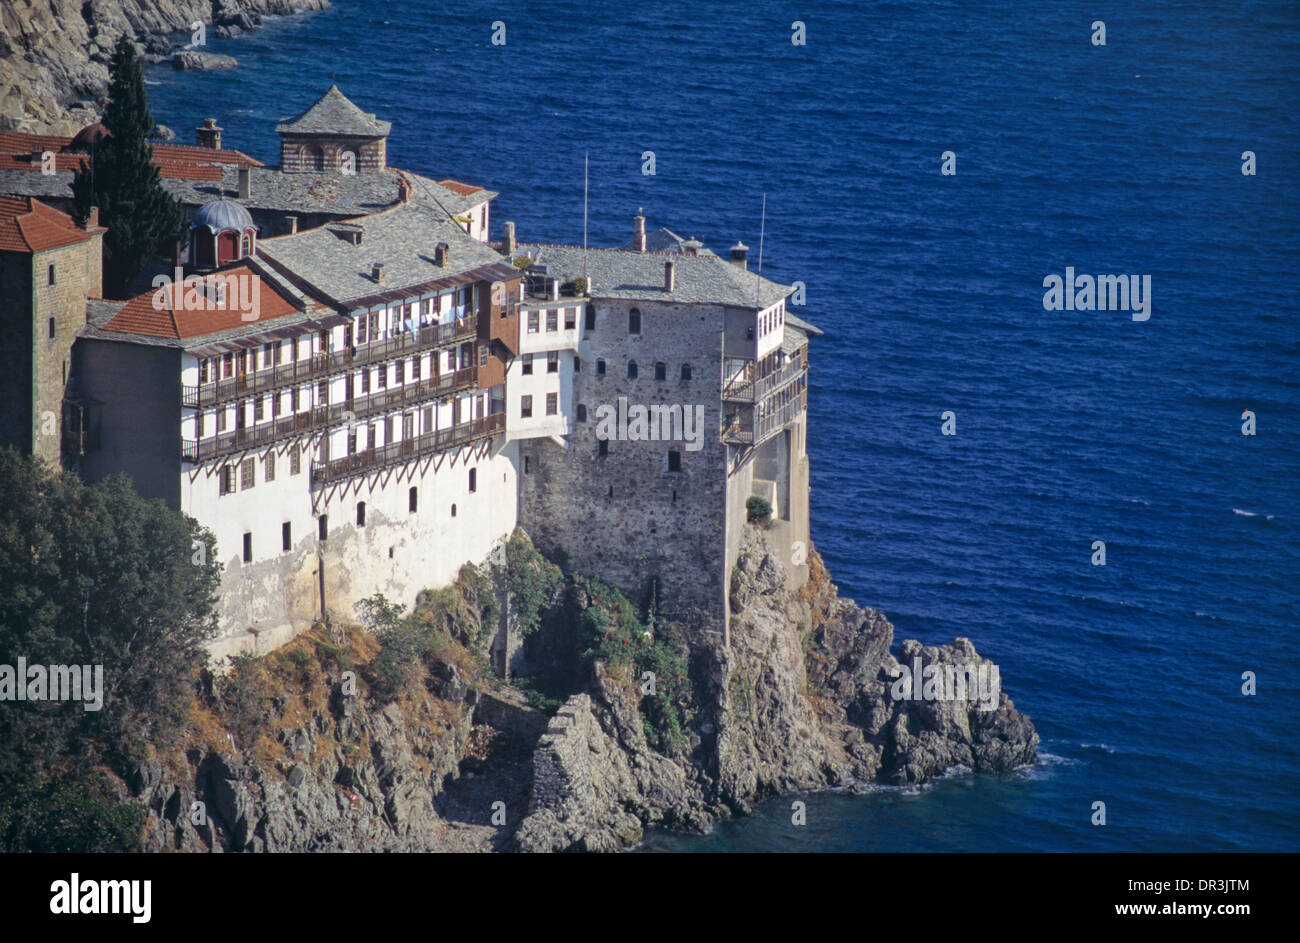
<point>208,134</point>
<point>245,183</point>
<point>670,282</point>
<point>638,232</point>
<point>92,219</point>
<point>740,255</point>
<point>291,223</point>
<point>555,289</point>
<point>440,254</point>
<point>692,246</point>
<point>508,244</point>
<point>377,273</point>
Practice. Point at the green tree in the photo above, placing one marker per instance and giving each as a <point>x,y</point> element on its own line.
<point>98,576</point>
<point>142,218</point>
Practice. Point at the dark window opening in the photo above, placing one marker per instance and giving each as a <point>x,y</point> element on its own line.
<point>286,536</point>
<point>361,514</point>
<point>661,371</point>
<point>634,321</point>
<point>473,480</point>
<point>582,413</point>
<point>51,274</point>
<point>412,499</point>
<point>602,448</point>
<point>686,371</point>
<point>323,526</point>
<point>600,368</point>
<point>674,460</point>
<point>631,369</point>
<point>528,465</point>
<point>453,510</point>
<point>591,319</point>
<point>51,326</point>
<point>248,548</point>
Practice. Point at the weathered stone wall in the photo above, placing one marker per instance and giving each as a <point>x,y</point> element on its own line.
<point>76,274</point>
<point>624,516</point>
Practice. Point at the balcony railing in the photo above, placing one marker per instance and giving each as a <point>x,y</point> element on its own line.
<point>394,452</point>
<point>759,425</point>
<point>750,390</point>
<point>321,365</point>
<point>323,417</point>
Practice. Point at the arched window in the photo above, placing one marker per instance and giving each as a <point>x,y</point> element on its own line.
<point>634,321</point>
<point>313,157</point>
<point>631,369</point>
<point>686,371</point>
<point>661,371</point>
<point>246,246</point>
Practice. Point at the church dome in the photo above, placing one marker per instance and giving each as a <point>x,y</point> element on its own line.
<point>222,216</point>
<point>87,137</point>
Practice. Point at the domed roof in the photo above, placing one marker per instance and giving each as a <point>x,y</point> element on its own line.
<point>222,215</point>
<point>89,135</point>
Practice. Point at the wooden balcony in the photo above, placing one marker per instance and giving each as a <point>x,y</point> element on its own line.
<point>393,453</point>
<point>320,418</point>
<point>754,426</point>
<point>319,366</point>
<point>748,389</point>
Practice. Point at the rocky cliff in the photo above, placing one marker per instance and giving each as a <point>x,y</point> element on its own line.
<point>804,696</point>
<point>54,53</point>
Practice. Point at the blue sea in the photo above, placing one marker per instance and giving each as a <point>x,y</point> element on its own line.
<point>1071,426</point>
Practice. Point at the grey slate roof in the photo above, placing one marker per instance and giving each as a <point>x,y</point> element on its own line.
<point>334,193</point>
<point>698,279</point>
<point>660,240</point>
<point>403,239</point>
<point>334,113</point>
<point>801,324</point>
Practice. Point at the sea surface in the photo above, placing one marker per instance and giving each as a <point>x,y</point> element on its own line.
<point>1071,426</point>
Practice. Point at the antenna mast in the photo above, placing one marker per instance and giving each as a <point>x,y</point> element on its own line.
<point>586,158</point>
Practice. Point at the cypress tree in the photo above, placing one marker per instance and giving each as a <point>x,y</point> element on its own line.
<point>142,218</point>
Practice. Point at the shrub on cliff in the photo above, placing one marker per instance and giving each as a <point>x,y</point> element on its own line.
<point>758,510</point>
<point>96,576</point>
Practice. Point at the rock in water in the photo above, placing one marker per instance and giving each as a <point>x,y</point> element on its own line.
<point>202,61</point>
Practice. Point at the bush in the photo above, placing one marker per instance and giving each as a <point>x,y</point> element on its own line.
<point>531,579</point>
<point>69,814</point>
<point>758,510</point>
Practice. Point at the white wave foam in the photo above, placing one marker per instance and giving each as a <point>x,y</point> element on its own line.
<point>1240,513</point>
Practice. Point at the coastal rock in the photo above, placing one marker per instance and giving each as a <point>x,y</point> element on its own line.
<point>54,52</point>
<point>202,61</point>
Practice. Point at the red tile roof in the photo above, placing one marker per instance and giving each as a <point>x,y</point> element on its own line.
<point>455,186</point>
<point>178,311</point>
<point>177,161</point>
<point>28,225</point>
